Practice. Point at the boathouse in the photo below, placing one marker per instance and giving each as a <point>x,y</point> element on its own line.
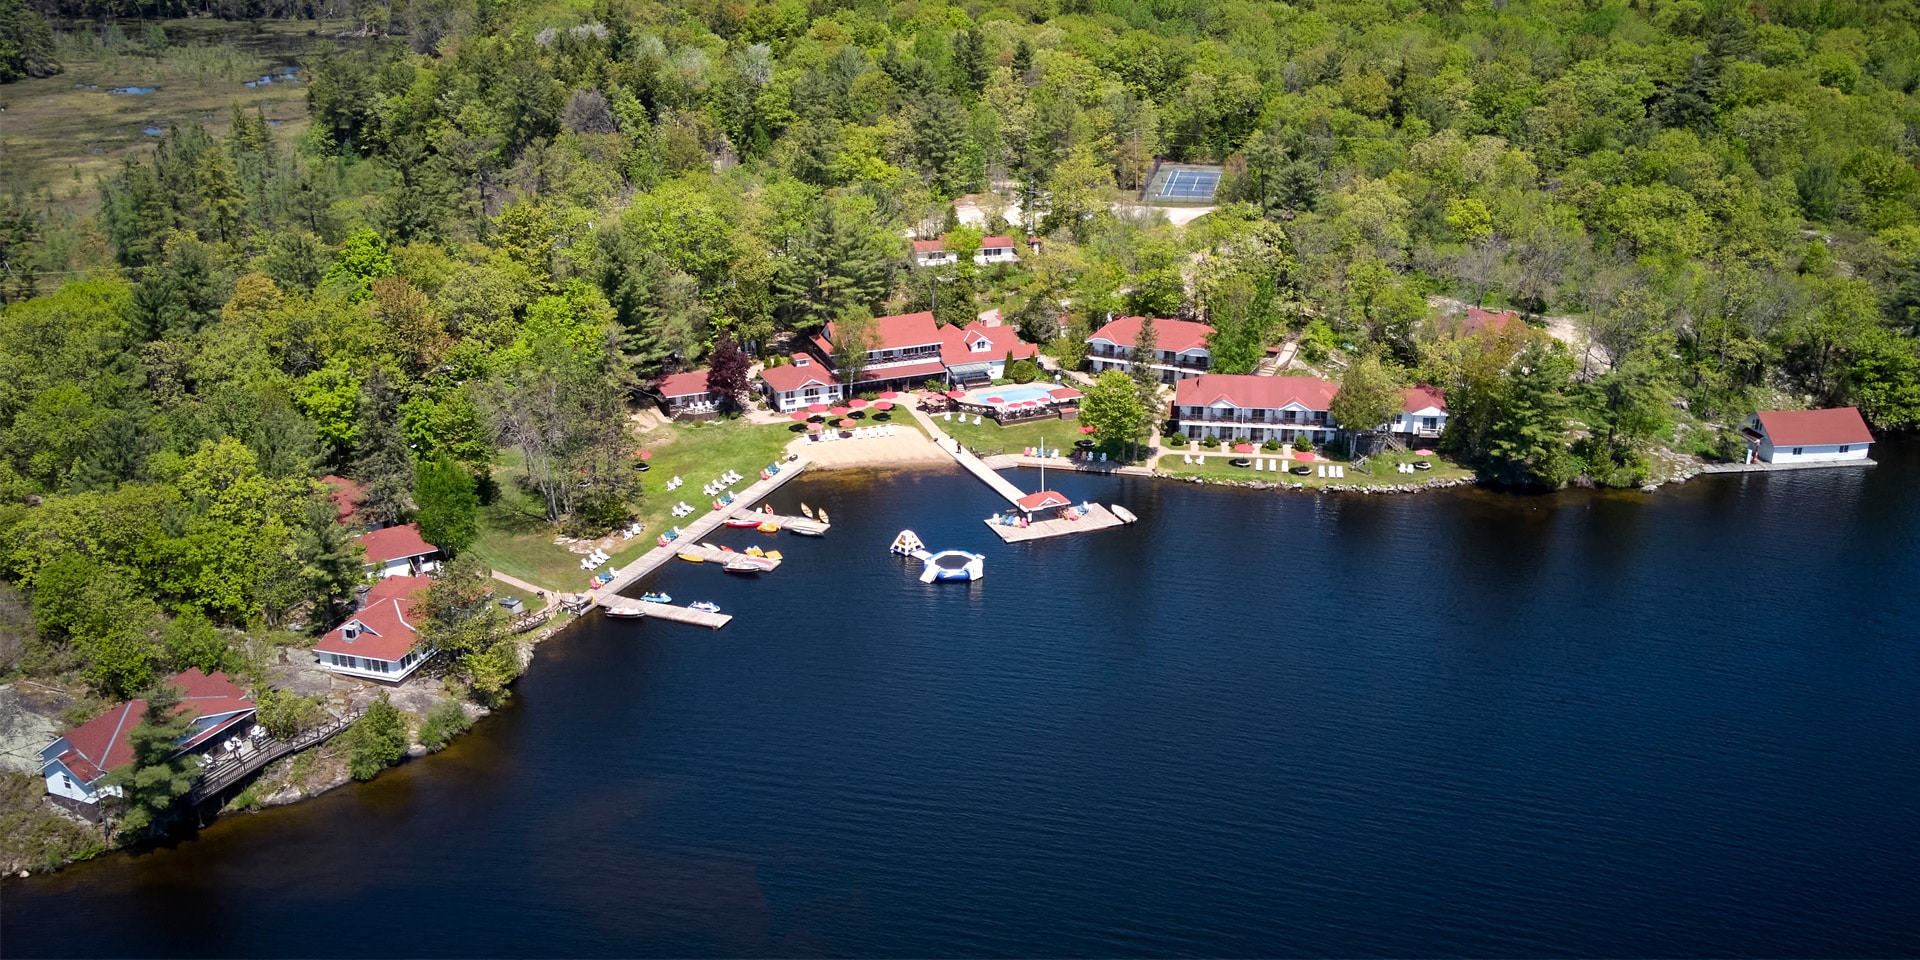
<point>1033,503</point>
<point>1806,436</point>
<point>380,641</point>
<point>76,765</point>
<point>399,551</point>
<point>1180,348</point>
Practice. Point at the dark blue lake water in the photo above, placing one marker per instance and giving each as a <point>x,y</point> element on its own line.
<point>1252,724</point>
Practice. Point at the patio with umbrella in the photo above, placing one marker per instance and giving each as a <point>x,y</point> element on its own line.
<point>846,424</point>
<point>956,394</point>
<point>1088,429</point>
<point>797,415</point>
<point>1084,444</point>
<point>813,428</point>
<point>816,408</point>
<point>839,411</point>
<point>996,400</point>
<point>857,403</point>
<point>889,394</point>
<point>883,405</point>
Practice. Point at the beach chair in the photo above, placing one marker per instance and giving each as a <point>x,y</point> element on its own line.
<point>948,417</point>
<point>1103,457</point>
<point>1186,458</point>
<point>976,419</point>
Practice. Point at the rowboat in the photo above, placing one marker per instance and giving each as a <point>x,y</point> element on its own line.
<point>806,511</point>
<point>744,522</point>
<point>1125,515</point>
<point>745,565</point>
<point>823,515</point>
<point>807,528</point>
<point>692,557</point>
<point>624,612</point>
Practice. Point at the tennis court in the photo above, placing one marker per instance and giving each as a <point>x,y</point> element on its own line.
<point>1184,183</point>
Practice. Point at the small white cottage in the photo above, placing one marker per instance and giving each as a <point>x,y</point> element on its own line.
<point>1804,436</point>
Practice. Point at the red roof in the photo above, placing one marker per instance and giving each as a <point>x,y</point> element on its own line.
<point>986,242</point>
<point>924,369</point>
<point>1175,336</point>
<point>930,246</point>
<point>1042,500</point>
<point>395,543</point>
<point>957,345</point>
<point>1802,428</point>
<point>1250,392</point>
<point>388,631</point>
<point>899,331</point>
<point>1422,397</point>
<point>1066,393</point>
<point>791,377</point>
<point>346,496</point>
<point>693,383</point>
<point>1487,321</point>
<point>101,744</point>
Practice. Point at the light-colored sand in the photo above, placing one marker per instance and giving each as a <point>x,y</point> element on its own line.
<point>908,447</point>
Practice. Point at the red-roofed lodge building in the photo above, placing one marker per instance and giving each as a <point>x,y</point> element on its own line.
<point>805,381</point>
<point>399,551</point>
<point>1180,348</point>
<point>907,350</point>
<point>684,396</point>
<point>76,764</point>
<point>1806,436</point>
<point>381,640</point>
<point>1254,409</point>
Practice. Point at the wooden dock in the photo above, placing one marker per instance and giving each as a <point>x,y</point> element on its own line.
<point>716,555</point>
<point>678,614</point>
<point>1097,518</point>
<point>696,530</point>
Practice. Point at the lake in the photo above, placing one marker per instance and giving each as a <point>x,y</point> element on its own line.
<point>1464,723</point>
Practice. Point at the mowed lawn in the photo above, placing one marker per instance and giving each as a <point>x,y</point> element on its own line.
<point>990,438</point>
<point>515,537</point>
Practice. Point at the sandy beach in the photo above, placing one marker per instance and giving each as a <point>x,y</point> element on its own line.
<point>907,447</point>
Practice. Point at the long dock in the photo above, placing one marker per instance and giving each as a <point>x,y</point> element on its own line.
<point>1096,518</point>
<point>1001,485</point>
<point>695,530</point>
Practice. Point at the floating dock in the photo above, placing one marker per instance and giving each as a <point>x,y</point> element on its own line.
<point>716,555</point>
<point>1097,518</point>
<point>678,614</point>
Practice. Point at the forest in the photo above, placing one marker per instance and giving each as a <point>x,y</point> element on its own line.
<point>502,219</point>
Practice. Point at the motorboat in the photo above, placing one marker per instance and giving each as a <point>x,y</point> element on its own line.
<point>656,598</point>
<point>704,606</point>
<point>748,566</point>
<point>744,522</point>
<point>1125,515</point>
<point>624,612</point>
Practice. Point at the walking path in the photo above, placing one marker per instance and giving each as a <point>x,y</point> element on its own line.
<point>519,584</point>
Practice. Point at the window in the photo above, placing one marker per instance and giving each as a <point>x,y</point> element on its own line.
<point>1796,451</point>
<point>1845,447</point>
<point>66,781</point>
<point>1429,422</point>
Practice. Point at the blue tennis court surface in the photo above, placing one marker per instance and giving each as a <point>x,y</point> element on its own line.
<point>1190,185</point>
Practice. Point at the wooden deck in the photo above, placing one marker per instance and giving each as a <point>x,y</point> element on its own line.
<point>1097,518</point>
<point>696,530</point>
<point>961,455</point>
<point>679,614</point>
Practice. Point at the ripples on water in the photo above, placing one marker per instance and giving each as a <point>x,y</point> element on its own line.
<point>1466,724</point>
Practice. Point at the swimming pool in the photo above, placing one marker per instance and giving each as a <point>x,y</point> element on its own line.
<point>1012,393</point>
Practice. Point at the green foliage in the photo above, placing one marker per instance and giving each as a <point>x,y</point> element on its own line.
<point>159,775</point>
<point>1023,371</point>
<point>448,505</point>
<point>377,740</point>
<point>1113,407</point>
<point>445,720</point>
<point>286,715</point>
<point>26,43</point>
<point>33,833</point>
<point>1367,397</point>
<point>192,641</point>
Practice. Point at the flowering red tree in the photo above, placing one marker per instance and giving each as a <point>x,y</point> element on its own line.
<point>727,372</point>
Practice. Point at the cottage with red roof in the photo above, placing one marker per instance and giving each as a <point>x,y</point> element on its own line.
<point>908,349</point>
<point>803,382</point>
<point>381,640</point>
<point>684,396</point>
<point>77,764</point>
<point>1180,347</point>
<point>1477,322</point>
<point>1254,409</point>
<point>1423,413</point>
<point>1806,436</point>
<point>934,253</point>
<point>399,551</point>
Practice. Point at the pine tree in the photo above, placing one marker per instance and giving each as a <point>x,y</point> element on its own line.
<point>970,60</point>
<point>1022,59</point>
<point>158,775</point>
<point>382,463</point>
<point>220,195</point>
<point>1146,350</point>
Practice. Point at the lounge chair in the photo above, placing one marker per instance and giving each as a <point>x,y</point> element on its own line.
<point>1201,460</point>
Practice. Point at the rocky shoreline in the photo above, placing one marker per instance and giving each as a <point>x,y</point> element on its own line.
<point>1368,488</point>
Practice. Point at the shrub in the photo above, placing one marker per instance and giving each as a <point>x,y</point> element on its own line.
<point>1174,440</point>
<point>1210,442</point>
<point>444,722</point>
<point>285,714</point>
<point>1303,445</point>
<point>1023,371</point>
<point>377,740</point>
<point>1271,446</point>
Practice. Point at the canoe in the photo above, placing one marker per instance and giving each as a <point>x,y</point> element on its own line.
<point>806,511</point>
<point>692,557</point>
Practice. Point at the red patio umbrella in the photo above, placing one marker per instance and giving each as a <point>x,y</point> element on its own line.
<point>997,400</point>
<point>1086,429</point>
<point>1304,455</point>
<point>816,408</point>
<point>956,395</point>
<point>798,415</point>
<point>1243,448</point>
<point>883,405</point>
<point>646,455</point>
<point>813,428</point>
<point>846,423</point>
<point>857,403</point>
<point>889,394</point>
<point>839,411</point>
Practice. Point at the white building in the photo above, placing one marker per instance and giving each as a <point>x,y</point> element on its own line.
<point>76,765</point>
<point>399,551</point>
<point>907,350</point>
<point>934,253</point>
<point>1423,414</point>
<point>805,381</point>
<point>1804,436</point>
<point>1254,409</point>
<point>379,642</point>
<point>1180,348</point>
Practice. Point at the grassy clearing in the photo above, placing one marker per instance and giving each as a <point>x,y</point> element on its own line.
<point>62,133</point>
<point>990,438</point>
<point>1218,467</point>
<point>516,539</point>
